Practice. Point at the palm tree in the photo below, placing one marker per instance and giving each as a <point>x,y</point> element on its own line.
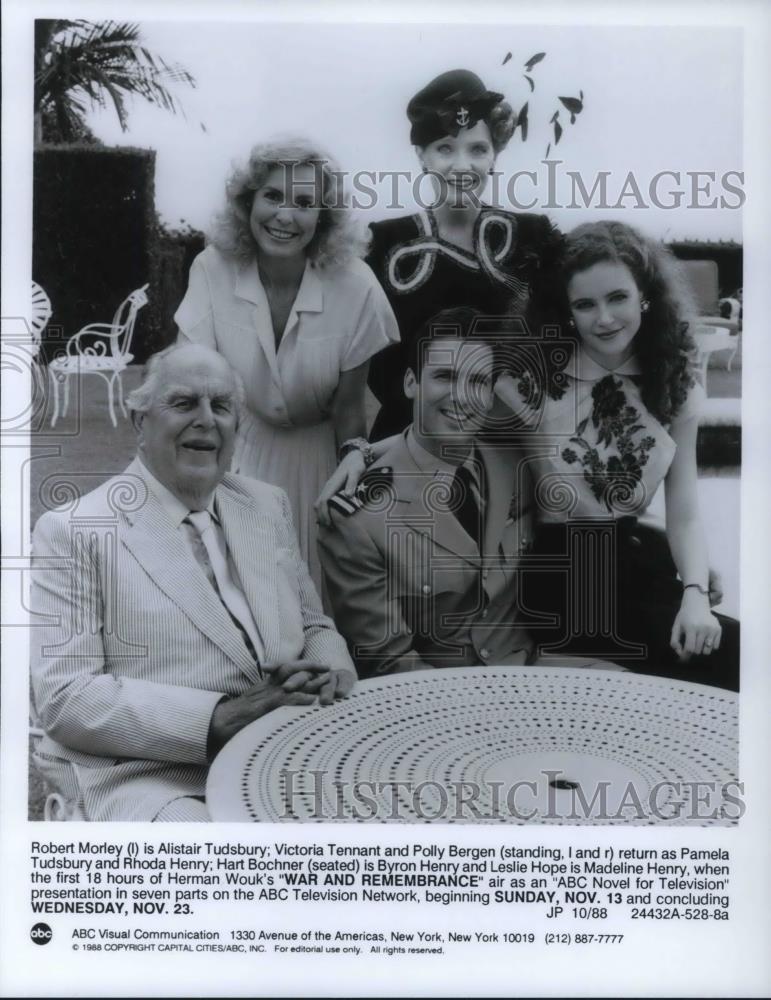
<point>80,64</point>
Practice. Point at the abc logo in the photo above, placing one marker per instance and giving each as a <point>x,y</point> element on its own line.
<point>41,933</point>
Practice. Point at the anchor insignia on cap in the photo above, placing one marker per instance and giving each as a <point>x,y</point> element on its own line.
<point>462,117</point>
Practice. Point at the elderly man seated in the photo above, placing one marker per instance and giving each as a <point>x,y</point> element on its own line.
<point>177,608</point>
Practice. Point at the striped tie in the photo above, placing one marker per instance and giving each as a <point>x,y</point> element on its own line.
<point>210,559</point>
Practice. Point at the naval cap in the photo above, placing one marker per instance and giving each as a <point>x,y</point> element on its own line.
<point>452,101</point>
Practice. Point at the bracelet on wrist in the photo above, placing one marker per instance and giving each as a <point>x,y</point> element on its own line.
<point>356,444</point>
<point>697,586</point>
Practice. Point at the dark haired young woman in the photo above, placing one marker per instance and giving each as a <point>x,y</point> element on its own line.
<point>603,430</point>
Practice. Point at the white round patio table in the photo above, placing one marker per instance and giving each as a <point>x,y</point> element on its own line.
<point>555,745</point>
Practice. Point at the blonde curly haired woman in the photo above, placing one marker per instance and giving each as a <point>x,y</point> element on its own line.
<point>282,293</point>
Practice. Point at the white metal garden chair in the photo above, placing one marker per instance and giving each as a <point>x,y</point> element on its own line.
<point>108,356</point>
<point>38,320</point>
<point>711,331</point>
<point>40,315</point>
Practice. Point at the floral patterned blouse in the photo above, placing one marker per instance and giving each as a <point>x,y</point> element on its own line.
<point>596,451</point>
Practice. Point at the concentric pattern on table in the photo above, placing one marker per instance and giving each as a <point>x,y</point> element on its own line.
<point>536,743</point>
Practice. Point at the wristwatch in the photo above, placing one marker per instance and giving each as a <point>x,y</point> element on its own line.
<point>356,444</point>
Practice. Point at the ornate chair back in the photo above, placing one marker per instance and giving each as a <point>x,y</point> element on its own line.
<point>40,315</point>
<point>124,321</point>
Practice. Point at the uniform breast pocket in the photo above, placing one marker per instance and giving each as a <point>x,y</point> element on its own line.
<point>443,598</point>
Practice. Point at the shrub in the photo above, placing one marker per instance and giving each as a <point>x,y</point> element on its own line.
<point>93,235</point>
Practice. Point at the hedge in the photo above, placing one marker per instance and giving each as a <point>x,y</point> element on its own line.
<point>93,234</point>
<point>729,257</point>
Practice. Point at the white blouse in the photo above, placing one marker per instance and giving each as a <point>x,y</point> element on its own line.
<point>339,319</point>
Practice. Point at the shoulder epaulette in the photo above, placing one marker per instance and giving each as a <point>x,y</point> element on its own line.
<point>373,479</point>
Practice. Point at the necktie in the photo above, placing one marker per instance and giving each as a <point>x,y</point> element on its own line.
<point>470,510</point>
<point>214,563</point>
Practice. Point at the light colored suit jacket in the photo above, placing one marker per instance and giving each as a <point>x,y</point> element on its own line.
<point>408,586</point>
<point>138,648</point>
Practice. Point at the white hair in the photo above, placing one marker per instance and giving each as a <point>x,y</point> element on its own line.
<point>142,398</point>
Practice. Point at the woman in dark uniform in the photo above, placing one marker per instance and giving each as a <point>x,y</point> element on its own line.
<point>458,252</point>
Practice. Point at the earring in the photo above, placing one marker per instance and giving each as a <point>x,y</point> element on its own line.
<point>425,169</point>
<point>645,306</point>
<point>572,323</point>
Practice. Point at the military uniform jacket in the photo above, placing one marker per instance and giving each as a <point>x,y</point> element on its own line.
<point>408,585</point>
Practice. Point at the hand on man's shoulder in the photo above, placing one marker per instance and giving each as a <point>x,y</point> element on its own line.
<point>373,489</point>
